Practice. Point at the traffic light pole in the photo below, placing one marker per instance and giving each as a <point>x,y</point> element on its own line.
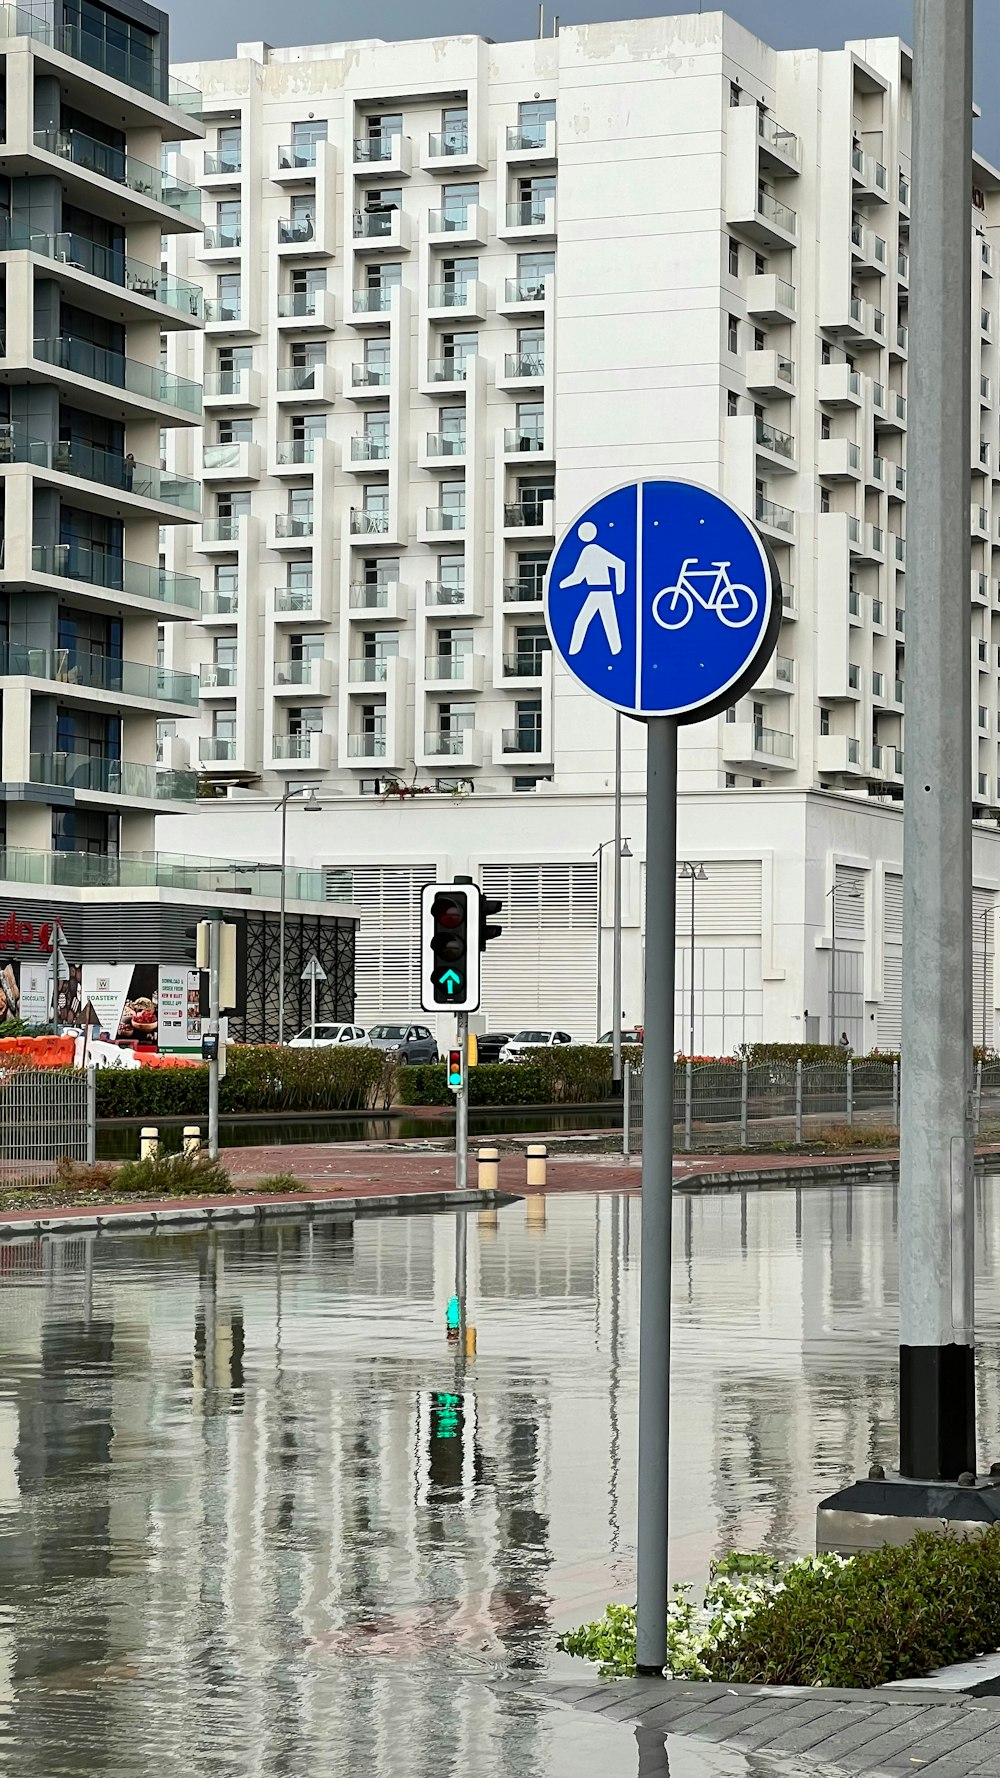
<point>214,970</point>
<point>462,1108</point>
<point>657,1190</point>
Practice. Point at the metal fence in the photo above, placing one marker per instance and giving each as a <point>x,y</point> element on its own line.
<point>45,1116</point>
<point>733,1105</point>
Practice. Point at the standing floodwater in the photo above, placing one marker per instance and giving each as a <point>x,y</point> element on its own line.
<point>257,1517</point>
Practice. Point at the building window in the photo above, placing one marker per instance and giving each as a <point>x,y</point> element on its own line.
<point>734,257</point>
<point>731,713</point>
<point>824,721</point>
<point>531,783</point>
<point>824,500</point>
<point>758,339</point>
<point>734,333</point>
<point>759,264</point>
<point>824,427</point>
<point>826,356</point>
<point>732,404</point>
<point>730,780</point>
<point>735,94</point>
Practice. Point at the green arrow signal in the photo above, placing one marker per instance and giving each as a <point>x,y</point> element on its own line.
<point>450,980</point>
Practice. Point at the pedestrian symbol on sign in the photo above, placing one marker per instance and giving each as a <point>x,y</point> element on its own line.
<point>603,574</point>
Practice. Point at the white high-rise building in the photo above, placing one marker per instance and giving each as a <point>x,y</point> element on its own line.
<point>457,288</point>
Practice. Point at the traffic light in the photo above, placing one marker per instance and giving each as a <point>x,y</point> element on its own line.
<point>232,963</point>
<point>488,906</point>
<point>196,951</point>
<point>450,955</point>
<point>456,1074</point>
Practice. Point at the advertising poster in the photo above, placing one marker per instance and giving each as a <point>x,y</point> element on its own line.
<point>25,990</point>
<point>120,999</point>
<point>179,1017</point>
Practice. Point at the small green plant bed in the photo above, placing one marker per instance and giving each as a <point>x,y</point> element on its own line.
<point>274,1183</point>
<point>880,1616</point>
<point>173,1175</point>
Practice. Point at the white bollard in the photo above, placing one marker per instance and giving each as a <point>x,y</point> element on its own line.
<point>537,1152</point>
<point>149,1142</point>
<point>489,1169</point>
<point>192,1140</point>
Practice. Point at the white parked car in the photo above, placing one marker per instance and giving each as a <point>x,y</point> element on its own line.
<point>328,1035</point>
<point>523,1042</point>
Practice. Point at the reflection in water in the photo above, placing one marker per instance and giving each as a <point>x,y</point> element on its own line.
<point>260,1514</point>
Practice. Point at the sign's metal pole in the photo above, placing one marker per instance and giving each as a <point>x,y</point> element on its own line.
<point>616,962</point>
<point>937,1351</point>
<point>312,1008</point>
<point>657,1177</point>
<point>214,969</point>
<point>462,1108</point>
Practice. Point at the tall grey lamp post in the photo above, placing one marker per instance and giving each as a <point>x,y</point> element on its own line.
<point>624,851</point>
<point>312,803</point>
<point>694,873</point>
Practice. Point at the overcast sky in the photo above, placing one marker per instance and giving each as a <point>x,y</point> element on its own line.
<point>207,28</point>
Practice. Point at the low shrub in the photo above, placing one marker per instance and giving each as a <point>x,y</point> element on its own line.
<point>846,1138</point>
<point>579,1074</point>
<point>883,1615</point>
<point>84,1176</point>
<point>259,1077</point>
<point>173,1175</point>
<point>759,1054</point>
<point>279,1182</point>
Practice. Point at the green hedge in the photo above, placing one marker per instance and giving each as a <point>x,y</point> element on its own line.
<point>258,1078</point>
<point>580,1075</point>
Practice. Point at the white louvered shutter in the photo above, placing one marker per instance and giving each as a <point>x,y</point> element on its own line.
<point>983,903</point>
<point>387,968</point>
<point>890,1013</point>
<point>543,970</point>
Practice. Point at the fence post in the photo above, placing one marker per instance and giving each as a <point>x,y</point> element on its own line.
<point>91,1115</point>
<point>979,1097</point>
<point>626,1109</point>
<point>798,1103</point>
<point>688,1082</point>
<point>744,1105</point>
<point>850,1089</point>
<point>895,1093</point>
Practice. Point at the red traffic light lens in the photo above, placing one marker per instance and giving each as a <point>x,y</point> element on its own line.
<point>449,913</point>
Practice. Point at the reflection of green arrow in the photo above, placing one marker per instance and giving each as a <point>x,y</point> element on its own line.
<point>450,980</point>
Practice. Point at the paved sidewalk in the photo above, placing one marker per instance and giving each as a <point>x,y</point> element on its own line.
<point>864,1734</point>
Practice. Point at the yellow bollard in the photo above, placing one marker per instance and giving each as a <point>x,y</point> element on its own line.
<point>537,1152</point>
<point>192,1139</point>
<point>149,1142</point>
<point>489,1169</point>
<point>470,1342</point>
<point>536,1210</point>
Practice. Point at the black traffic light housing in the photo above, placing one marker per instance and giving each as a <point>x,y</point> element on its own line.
<point>488,906</point>
<point>450,945</point>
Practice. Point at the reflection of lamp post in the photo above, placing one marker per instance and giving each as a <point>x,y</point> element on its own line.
<point>693,873</point>
<point>312,803</point>
<point>852,893</point>
<point>624,851</point>
<point>985,917</point>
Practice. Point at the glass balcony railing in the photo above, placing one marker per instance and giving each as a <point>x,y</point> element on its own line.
<point>521,513</point>
<point>447,666</point>
<point>772,132</point>
<point>774,211</point>
<point>295,450</point>
<point>98,672</point>
<point>217,675</point>
<point>522,440</point>
<point>368,672</point>
<point>448,296</point>
<point>218,239</point>
<point>522,592</point>
<point>443,143</point>
<point>223,308</point>
<point>370,224</point>
<point>521,740</point>
<point>297,156</point>
<point>450,222</point>
<point>118,372</point>
<point>108,468</point>
<point>293,598</point>
<point>530,213</point>
<point>216,749</point>
<point>446,444</point>
<point>369,521</point>
<point>224,166</point>
<point>130,66</point>
<point>369,376</point>
<point>448,743</point>
<point>293,524</point>
<point>221,530</point>
<point>371,150</point>
<point>370,595</point>
<point>295,746</point>
<point>111,777</point>
<point>94,567</point>
<point>301,377</point>
<point>440,594</point>
<point>444,518</point>
<point>298,304</point>
<point>780,444</point>
<point>524,290</point>
<point>171,870</point>
<point>225,456</point>
<point>530,365</point>
<point>522,136</point>
<point>124,169</point>
<point>296,672</point>
<point>778,518</point>
<point>108,264</point>
<point>369,450</point>
<point>294,231</point>
<point>366,746</point>
<point>773,741</point>
<point>376,300</point>
<point>232,383</point>
<point>528,665</point>
<point>448,370</point>
<point>220,602</point>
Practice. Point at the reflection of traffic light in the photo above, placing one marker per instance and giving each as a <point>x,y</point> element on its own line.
<point>450,961</point>
<point>488,906</point>
<point>449,1460</point>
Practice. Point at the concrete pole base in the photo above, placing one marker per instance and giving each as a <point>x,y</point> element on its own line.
<point>876,1511</point>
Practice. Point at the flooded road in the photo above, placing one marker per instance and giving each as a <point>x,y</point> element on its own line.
<point>259,1516</point>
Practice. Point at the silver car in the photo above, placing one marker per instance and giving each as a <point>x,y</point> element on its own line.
<point>412,1043</point>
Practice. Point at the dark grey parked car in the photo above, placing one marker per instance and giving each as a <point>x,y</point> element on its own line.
<point>412,1043</point>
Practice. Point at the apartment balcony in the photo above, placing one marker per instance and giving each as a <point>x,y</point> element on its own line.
<point>111,580</point>
<point>769,373</point>
<point>93,779</point>
<point>383,157</point>
<point>980,587</point>
<point>451,150</point>
<point>221,245</point>
<point>457,747</point>
<point>107,280</point>
<point>80,674</point>
<point>294,677</point>
<point>384,599</point>
<point>466,227</point>
<point>291,753</point>
<point>145,191</point>
<point>837,385</point>
<point>523,595</point>
<point>309,385</point>
<point>899,343</point>
<point>521,746</point>
<point>218,679</point>
<point>365,451</point>
<point>107,57</point>
<point>777,147</point>
<point>219,605</point>
<point>531,144</point>
<point>369,382</point>
<point>459,301</point>
<point>897,552</point>
<point>864,324</point>
<point>373,306</point>
<point>237,391</point>
<point>529,219</point>
<point>293,457</point>
<point>218,537</point>
<point>865,542</point>
<point>231,462</point>
<point>751,743</point>
<point>770,298</point>
<point>981,457</point>
<point>875,474</point>
<point>443,451</point>
<point>777,522</point>
<point>889,411</point>
<point>363,672</point>
<point>530,518</point>
<point>839,460</point>
<point>368,746</point>
<point>298,238</point>
<point>771,222</point>
<point>869,252</point>
<point>778,677</point>
<point>222,171</point>
<point>840,756</point>
<point>173,498</point>
<point>522,370</point>
<point>293,165</point>
<point>224,317</point>
<point>290,531</point>
<point>895,481</point>
<point>464,671</point>
<point>979,523</point>
<point>451,373</point>
<point>523,296</point>
<point>369,521</point>
<point>298,604</point>
<point>774,447</point>
<point>441,521</point>
<point>524,669</point>
<point>306,311</point>
<point>382,231</point>
<point>121,387</point>
<point>869,177</point>
<point>216,750</point>
<point>444,595</point>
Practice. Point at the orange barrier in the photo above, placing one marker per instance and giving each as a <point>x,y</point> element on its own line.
<point>41,1052</point>
<point>152,1061</point>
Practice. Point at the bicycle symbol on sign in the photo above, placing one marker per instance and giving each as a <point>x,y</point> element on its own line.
<point>734,603</point>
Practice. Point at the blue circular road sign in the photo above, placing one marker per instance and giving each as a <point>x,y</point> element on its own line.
<point>663,600</point>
